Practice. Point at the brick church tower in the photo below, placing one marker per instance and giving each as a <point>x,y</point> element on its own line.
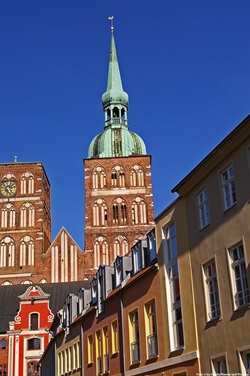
<point>118,188</point>
<point>25,222</point>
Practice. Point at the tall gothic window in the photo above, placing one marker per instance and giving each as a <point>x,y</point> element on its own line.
<point>137,176</point>
<point>100,213</point>
<point>101,255</point>
<point>7,252</point>
<point>26,251</point>
<point>118,177</point>
<point>120,246</point>
<point>119,212</point>
<point>27,183</point>
<point>99,178</point>
<point>139,211</point>
<point>8,216</point>
<point>27,215</point>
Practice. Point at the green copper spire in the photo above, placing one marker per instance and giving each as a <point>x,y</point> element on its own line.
<point>114,93</point>
<point>116,140</point>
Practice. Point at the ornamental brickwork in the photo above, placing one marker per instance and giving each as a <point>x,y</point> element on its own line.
<point>119,206</point>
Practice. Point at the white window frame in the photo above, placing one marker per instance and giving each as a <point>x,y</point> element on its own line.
<point>151,329</point>
<point>173,304</point>
<point>228,187</point>
<point>211,279</point>
<point>137,257</point>
<point>203,208</point>
<point>242,280</point>
<point>244,359</point>
<point>216,366</point>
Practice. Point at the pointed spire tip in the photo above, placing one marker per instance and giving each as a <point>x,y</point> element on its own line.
<point>110,18</point>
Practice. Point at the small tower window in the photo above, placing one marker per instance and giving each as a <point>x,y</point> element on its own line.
<point>115,112</point>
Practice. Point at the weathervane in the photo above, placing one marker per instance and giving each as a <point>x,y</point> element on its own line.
<point>111,22</point>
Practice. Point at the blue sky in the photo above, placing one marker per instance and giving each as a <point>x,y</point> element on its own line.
<point>184,63</point>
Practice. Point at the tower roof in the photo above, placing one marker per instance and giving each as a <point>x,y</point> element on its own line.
<point>114,93</point>
<point>116,140</point>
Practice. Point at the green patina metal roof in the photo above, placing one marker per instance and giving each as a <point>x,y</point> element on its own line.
<point>114,93</point>
<point>116,140</point>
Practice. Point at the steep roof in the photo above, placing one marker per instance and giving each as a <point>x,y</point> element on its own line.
<point>9,298</point>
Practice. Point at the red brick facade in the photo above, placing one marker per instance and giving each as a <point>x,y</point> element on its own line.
<point>118,192</point>
<point>25,222</point>
<point>26,252</point>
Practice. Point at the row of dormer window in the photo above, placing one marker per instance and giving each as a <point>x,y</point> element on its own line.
<point>108,278</point>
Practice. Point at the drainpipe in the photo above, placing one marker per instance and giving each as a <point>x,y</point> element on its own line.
<point>122,331</point>
<point>82,349</point>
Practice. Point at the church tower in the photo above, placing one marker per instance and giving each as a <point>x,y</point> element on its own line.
<point>118,187</point>
<point>25,222</point>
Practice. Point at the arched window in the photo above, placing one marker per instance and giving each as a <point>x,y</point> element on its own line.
<point>8,216</point>
<point>6,283</point>
<point>34,343</point>
<point>120,246</point>
<point>117,177</point>
<point>7,252</point>
<point>139,211</point>
<point>2,344</point>
<point>26,251</point>
<point>33,368</point>
<point>27,215</point>
<point>27,183</point>
<point>101,255</point>
<point>3,370</point>
<point>100,213</point>
<point>119,212</point>
<point>99,178</point>
<point>116,112</point>
<point>34,321</point>
<point>137,176</point>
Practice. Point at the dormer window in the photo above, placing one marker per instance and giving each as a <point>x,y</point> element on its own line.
<point>151,245</point>
<point>137,257</point>
<point>94,291</point>
<point>118,271</point>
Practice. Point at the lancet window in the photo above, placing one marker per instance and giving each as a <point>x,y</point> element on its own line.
<point>118,177</point>
<point>137,176</point>
<point>27,215</point>
<point>26,251</point>
<point>8,216</point>
<point>139,211</point>
<point>27,183</point>
<point>100,213</point>
<point>101,252</point>
<point>99,178</point>
<point>120,246</point>
<point>119,212</point>
<point>7,252</point>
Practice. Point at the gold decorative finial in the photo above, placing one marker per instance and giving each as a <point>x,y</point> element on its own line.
<point>111,22</point>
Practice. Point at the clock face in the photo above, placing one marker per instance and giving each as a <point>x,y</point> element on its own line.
<point>8,188</point>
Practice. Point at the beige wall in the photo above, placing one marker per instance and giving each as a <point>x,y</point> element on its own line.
<point>231,332</point>
<point>176,214</point>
